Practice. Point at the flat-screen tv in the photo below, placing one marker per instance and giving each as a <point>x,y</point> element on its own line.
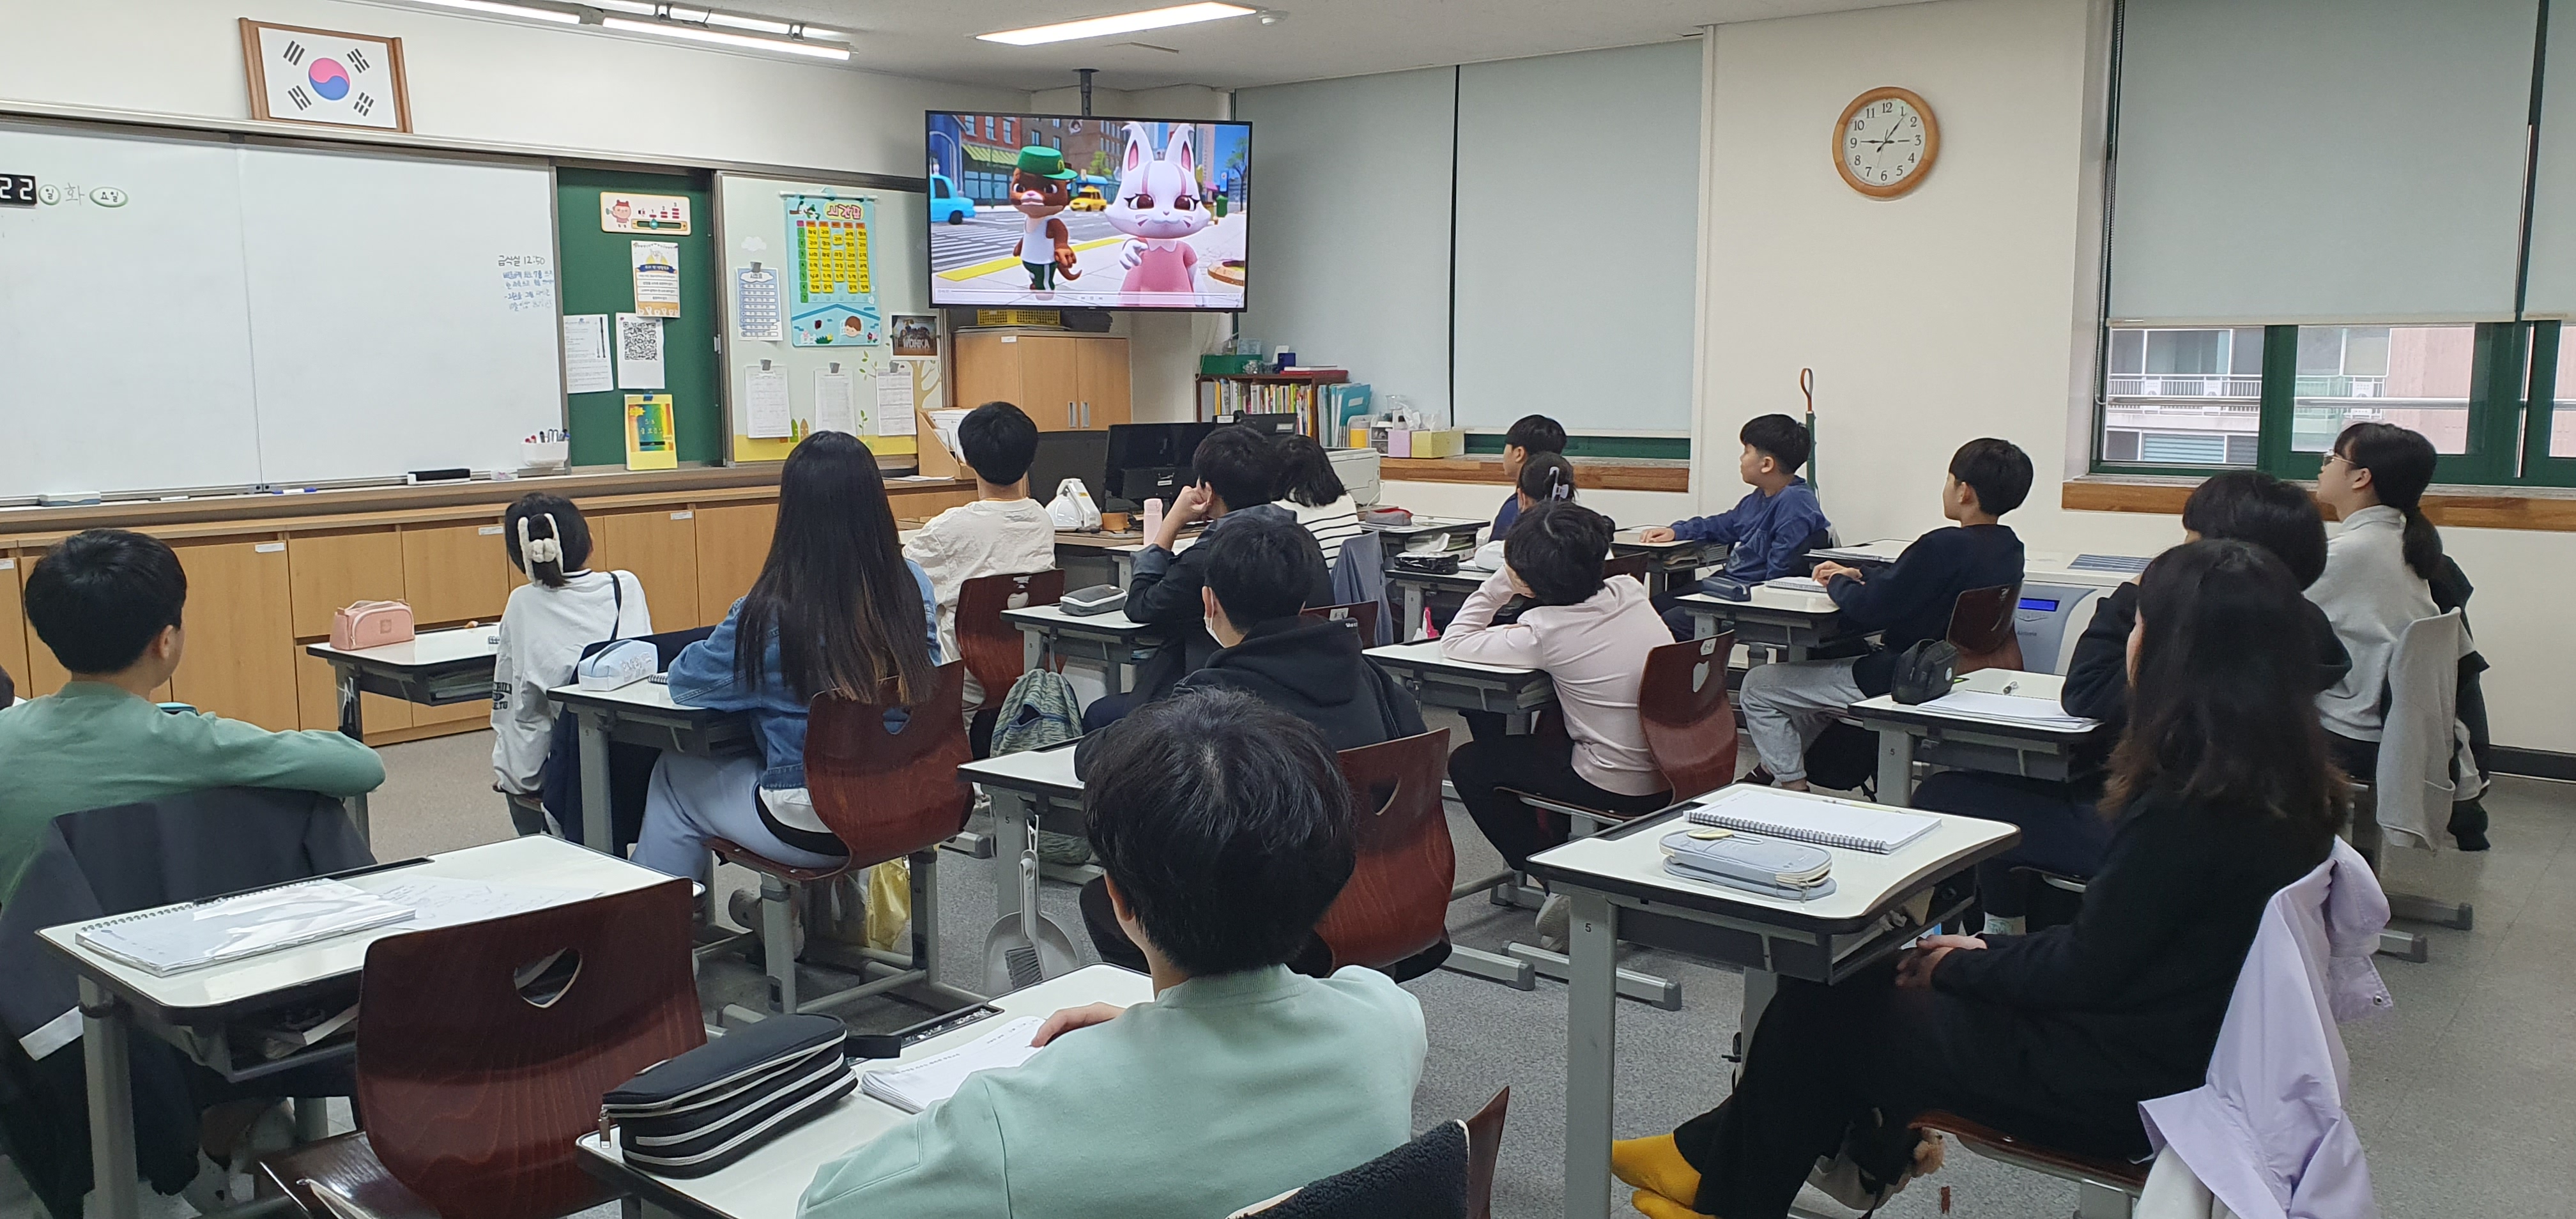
<point>1054,211</point>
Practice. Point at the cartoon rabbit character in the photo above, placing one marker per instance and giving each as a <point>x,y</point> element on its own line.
<point>1158,205</point>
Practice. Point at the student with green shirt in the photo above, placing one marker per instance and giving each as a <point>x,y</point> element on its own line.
<point>108,603</point>
<point>1225,827</point>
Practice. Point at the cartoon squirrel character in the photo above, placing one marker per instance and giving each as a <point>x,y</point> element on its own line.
<point>1158,204</point>
<point>1041,186</point>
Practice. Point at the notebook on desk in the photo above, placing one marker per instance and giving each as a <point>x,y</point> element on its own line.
<point>175,939</point>
<point>938,1077</point>
<point>1822,821</point>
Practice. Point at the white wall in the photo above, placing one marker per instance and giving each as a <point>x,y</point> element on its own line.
<point>1960,310</point>
<point>476,78</point>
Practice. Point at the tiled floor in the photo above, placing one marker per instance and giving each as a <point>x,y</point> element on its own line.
<point>2465,1095</point>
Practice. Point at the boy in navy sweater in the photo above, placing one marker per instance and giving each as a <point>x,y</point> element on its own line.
<point>1531,435</point>
<point>1768,532</point>
<point>1786,705</point>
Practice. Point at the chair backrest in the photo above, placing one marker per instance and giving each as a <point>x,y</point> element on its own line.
<point>1981,627</point>
<point>1362,612</point>
<point>989,645</point>
<point>1484,1150</point>
<point>886,794</point>
<point>1690,728</point>
<point>475,1083</point>
<point>1397,901</point>
<point>1631,565</point>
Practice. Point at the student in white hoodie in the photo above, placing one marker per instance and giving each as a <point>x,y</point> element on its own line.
<point>563,608</point>
<point>1002,533</point>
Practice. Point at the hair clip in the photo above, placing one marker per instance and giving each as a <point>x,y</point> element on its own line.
<point>540,550</point>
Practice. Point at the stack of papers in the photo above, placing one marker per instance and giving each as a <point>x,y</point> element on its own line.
<point>2009,708</point>
<point>936,1078</point>
<point>175,939</point>
<point>1795,584</point>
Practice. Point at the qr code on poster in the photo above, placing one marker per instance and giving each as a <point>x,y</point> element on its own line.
<point>642,342</point>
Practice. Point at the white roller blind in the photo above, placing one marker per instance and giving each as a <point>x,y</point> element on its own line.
<point>2320,160</point>
<point>1578,238</point>
<point>2552,291</point>
<point>1349,255</point>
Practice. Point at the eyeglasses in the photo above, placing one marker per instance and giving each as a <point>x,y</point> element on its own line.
<point>2333,457</point>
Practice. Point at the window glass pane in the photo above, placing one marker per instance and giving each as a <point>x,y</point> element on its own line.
<point>2562,415</point>
<point>2183,397</point>
<point>2413,376</point>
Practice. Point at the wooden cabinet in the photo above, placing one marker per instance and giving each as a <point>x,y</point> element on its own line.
<point>1064,381</point>
<point>455,573</point>
<point>733,543</point>
<point>661,547</point>
<point>328,570</point>
<point>240,651</point>
<point>15,638</point>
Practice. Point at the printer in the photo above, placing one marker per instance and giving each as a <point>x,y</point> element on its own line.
<point>2058,592</point>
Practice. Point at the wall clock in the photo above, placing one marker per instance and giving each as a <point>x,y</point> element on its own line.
<point>301,75</point>
<point>1886,142</point>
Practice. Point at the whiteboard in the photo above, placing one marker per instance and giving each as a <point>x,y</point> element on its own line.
<point>247,315</point>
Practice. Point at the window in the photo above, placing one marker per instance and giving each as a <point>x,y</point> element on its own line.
<point>2183,397</point>
<point>2562,412</point>
<point>2416,377</point>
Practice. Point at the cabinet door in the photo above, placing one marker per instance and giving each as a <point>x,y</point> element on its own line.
<point>328,570</point>
<point>661,547</point>
<point>454,573</point>
<point>15,639</point>
<point>1101,383</point>
<point>240,650</point>
<point>987,368</point>
<point>733,542</point>
<point>1050,380</point>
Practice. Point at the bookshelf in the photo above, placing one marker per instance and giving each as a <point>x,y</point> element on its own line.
<point>1307,395</point>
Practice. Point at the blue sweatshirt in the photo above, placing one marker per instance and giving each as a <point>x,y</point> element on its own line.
<point>1911,601</point>
<point>1766,534</point>
<point>702,675</point>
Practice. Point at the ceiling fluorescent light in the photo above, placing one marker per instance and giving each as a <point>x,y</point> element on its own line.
<point>818,50</point>
<point>509,10</point>
<point>1122,23</point>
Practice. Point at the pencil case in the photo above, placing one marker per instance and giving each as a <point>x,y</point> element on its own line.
<point>1772,867</point>
<point>370,624</point>
<point>695,1113</point>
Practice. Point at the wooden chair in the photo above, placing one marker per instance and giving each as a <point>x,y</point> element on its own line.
<point>1393,915</point>
<point>994,650</point>
<point>1981,627</point>
<point>1363,613</point>
<point>2106,1189</point>
<point>1484,1151</point>
<point>886,796</point>
<point>483,1050</point>
<point>1419,1187</point>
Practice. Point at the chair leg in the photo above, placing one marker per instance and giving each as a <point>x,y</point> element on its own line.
<point>2094,1200</point>
<point>778,942</point>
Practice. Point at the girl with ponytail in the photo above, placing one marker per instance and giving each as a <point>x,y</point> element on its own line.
<point>1546,478</point>
<point>563,608</point>
<point>2377,569</point>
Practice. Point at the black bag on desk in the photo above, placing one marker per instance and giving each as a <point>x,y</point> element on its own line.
<point>1427,564</point>
<point>1924,672</point>
<point>697,1112</point>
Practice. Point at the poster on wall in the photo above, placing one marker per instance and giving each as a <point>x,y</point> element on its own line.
<point>657,278</point>
<point>652,443</point>
<point>755,308</point>
<point>832,299</point>
<point>624,213</point>
<point>915,335</point>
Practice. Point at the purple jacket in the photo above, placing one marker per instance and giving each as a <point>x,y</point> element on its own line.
<point>2267,1134</point>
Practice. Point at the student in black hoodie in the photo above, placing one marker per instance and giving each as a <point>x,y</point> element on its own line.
<point>1253,588</point>
<point>1786,705</point>
<point>2063,829</point>
<point>2226,795</point>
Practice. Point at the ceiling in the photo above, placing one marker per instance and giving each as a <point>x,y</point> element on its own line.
<point>1313,39</point>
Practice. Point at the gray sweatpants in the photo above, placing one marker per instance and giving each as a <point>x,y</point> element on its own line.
<point>1787,704</point>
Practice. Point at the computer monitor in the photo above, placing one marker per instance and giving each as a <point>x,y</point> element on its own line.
<point>1151,461</point>
<point>1063,455</point>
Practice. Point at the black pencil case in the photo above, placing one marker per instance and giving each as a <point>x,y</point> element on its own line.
<point>1427,564</point>
<point>697,1112</point>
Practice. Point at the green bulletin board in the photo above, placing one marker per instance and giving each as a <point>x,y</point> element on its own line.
<point>598,278</point>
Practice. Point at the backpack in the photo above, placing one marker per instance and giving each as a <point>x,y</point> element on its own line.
<point>1040,710</point>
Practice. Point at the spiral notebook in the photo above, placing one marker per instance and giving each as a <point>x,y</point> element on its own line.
<point>1822,821</point>
<point>175,939</point>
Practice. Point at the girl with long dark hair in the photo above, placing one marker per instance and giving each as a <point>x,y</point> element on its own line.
<point>837,609</point>
<point>2377,574</point>
<point>2224,795</point>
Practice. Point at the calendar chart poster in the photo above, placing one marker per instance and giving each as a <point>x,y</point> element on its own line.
<point>831,291</point>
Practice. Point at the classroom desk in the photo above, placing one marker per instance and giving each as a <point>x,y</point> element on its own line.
<point>1943,737</point>
<point>197,1010</point>
<point>768,1183</point>
<point>1864,555</point>
<point>1085,549</point>
<point>1028,789</point>
<point>1453,528</point>
<point>1413,591</point>
<point>640,714</point>
<point>1794,621</point>
<point>1668,562</point>
<point>1113,640</point>
<point>1620,892</point>
<point>433,669</point>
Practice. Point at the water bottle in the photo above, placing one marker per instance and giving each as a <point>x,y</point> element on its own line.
<point>1153,518</point>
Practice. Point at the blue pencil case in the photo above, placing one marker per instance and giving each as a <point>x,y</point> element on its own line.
<point>1772,867</point>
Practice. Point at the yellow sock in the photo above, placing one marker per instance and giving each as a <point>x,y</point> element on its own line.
<point>1656,1166</point>
<point>1656,1206</point>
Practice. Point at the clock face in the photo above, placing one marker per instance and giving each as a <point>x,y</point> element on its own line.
<point>1885,143</point>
